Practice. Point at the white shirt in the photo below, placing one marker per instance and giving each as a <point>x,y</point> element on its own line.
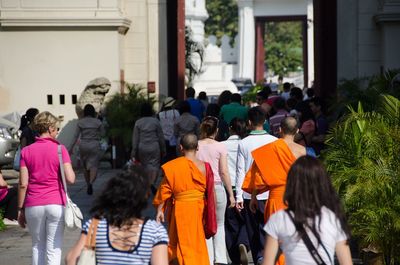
<point>232,144</point>
<point>281,227</point>
<point>167,120</point>
<point>247,145</point>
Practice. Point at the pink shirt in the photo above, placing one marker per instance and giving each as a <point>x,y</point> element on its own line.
<point>44,183</point>
<point>212,154</point>
<point>3,192</point>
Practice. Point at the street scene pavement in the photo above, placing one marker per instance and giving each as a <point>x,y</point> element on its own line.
<point>15,242</point>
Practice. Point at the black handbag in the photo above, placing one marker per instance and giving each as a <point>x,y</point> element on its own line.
<point>310,246</point>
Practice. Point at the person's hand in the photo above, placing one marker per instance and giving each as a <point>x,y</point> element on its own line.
<point>253,204</point>
<point>232,201</point>
<point>21,218</point>
<point>239,206</point>
<point>160,217</point>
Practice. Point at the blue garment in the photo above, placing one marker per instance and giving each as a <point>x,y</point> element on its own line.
<point>310,152</point>
<point>196,108</point>
<point>152,234</point>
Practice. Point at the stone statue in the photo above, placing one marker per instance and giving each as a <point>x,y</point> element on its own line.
<point>94,94</point>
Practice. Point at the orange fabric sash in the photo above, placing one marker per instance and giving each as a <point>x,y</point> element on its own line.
<point>189,196</point>
<point>270,167</point>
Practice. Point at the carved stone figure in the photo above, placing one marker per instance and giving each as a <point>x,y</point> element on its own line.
<point>94,94</point>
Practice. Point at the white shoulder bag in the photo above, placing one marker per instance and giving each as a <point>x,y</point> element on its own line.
<point>73,215</point>
<point>88,254</point>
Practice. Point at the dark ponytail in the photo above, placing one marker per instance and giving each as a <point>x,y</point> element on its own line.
<point>28,117</point>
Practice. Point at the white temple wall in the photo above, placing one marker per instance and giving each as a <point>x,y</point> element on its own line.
<point>34,64</point>
<point>368,37</point>
<point>279,7</point>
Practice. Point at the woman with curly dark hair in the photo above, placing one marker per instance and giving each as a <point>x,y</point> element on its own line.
<point>313,209</point>
<point>123,235</point>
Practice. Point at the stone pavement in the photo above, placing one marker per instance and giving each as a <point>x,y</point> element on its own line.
<point>15,242</point>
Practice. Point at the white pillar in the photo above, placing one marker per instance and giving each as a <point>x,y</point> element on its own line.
<point>196,13</point>
<point>247,39</point>
<point>310,42</point>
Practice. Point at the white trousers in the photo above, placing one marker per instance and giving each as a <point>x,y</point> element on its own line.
<point>46,226</point>
<point>216,246</point>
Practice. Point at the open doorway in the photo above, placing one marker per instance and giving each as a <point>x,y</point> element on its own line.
<point>281,49</point>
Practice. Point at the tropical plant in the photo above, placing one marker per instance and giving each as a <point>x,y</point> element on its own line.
<point>367,90</point>
<point>122,111</point>
<point>2,225</point>
<point>194,55</point>
<point>250,95</point>
<point>363,159</point>
<point>223,19</point>
<point>283,47</point>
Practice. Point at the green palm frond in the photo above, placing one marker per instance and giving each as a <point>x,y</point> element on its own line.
<point>363,158</point>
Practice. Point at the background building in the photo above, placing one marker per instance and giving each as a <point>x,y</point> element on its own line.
<point>51,49</point>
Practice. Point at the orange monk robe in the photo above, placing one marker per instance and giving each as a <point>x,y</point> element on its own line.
<point>183,188</point>
<point>269,172</point>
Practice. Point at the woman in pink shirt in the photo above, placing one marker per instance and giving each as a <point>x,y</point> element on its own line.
<point>215,153</point>
<point>41,196</point>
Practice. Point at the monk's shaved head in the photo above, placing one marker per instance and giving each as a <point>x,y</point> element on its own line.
<point>189,142</point>
<point>289,126</point>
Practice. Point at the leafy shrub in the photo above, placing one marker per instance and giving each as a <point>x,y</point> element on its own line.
<point>363,159</point>
<point>250,95</point>
<point>2,225</point>
<point>122,111</point>
<point>367,90</point>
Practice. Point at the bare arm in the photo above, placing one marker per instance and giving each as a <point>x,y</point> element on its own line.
<point>22,186</point>
<point>69,173</point>
<point>159,255</point>
<point>270,251</point>
<point>226,179</point>
<point>3,183</point>
<point>343,253</point>
<point>72,257</point>
<point>160,213</point>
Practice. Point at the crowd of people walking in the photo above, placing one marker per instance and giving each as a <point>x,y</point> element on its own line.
<point>272,194</point>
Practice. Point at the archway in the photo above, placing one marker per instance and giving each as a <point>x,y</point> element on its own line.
<point>261,53</point>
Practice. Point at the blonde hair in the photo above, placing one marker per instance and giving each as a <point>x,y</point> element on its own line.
<point>43,121</point>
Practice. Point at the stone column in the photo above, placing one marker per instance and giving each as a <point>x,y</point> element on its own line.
<point>388,19</point>
<point>247,37</point>
<point>196,13</point>
<point>310,42</point>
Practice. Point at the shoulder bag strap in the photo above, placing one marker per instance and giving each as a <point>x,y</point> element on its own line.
<point>307,241</point>
<point>91,235</point>
<point>62,169</point>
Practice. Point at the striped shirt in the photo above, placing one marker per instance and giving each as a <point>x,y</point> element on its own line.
<point>152,234</point>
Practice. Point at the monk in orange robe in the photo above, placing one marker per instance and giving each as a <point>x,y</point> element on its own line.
<point>181,195</point>
<point>270,167</point>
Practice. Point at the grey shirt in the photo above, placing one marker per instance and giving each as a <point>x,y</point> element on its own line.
<point>147,135</point>
<point>186,123</point>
